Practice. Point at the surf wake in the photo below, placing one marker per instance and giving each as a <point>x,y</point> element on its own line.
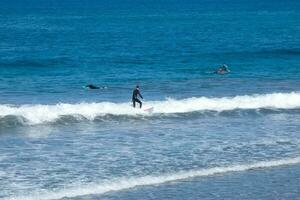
<point>37,114</point>
<point>128,183</point>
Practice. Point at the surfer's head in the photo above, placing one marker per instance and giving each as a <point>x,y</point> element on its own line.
<point>137,87</point>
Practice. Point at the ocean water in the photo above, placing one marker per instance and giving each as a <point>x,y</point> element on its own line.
<point>233,136</point>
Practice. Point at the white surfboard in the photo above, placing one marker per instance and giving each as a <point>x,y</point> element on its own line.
<point>149,110</point>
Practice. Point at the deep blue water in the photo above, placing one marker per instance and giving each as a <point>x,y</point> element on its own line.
<point>209,136</point>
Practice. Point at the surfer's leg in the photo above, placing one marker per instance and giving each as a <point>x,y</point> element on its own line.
<point>137,100</point>
<point>133,102</point>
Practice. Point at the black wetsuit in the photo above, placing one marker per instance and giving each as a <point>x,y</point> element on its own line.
<point>92,87</point>
<point>135,95</point>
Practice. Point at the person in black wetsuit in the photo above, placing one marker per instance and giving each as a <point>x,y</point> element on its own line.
<point>92,87</point>
<point>135,94</point>
<point>222,70</point>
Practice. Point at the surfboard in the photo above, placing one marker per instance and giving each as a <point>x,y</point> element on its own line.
<point>149,110</point>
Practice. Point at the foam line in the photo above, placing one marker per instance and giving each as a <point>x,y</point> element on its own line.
<point>37,114</point>
<point>127,183</point>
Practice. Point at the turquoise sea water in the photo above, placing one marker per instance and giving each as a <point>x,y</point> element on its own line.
<point>233,136</point>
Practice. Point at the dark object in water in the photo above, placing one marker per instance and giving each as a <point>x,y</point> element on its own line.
<point>92,86</point>
<point>222,70</point>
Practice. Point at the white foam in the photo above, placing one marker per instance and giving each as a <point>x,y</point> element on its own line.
<point>36,114</point>
<point>127,183</point>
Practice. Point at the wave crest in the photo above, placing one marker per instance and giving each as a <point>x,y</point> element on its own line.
<point>37,114</point>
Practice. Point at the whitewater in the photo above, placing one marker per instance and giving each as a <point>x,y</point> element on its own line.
<point>38,114</point>
<point>131,182</point>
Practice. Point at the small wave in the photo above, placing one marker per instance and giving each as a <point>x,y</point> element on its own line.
<point>11,121</point>
<point>128,183</point>
<point>34,62</point>
<point>267,52</point>
<point>38,114</point>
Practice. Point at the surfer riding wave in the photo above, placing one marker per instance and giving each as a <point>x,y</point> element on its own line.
<point>135,94</point>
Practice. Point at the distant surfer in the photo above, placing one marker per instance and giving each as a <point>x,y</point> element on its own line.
<point>94,87</point>
<point>135,96</point>
<point>222,70</point>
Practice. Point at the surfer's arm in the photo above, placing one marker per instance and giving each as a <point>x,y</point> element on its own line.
<point>140,95</point>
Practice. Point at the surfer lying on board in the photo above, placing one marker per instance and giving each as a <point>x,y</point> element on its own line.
<point>223,70</point>
<point>135,94</point>
<point>92,87</point>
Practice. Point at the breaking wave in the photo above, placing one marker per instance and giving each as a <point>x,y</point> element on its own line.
<point>38,114</point>
<point>128,183</point>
